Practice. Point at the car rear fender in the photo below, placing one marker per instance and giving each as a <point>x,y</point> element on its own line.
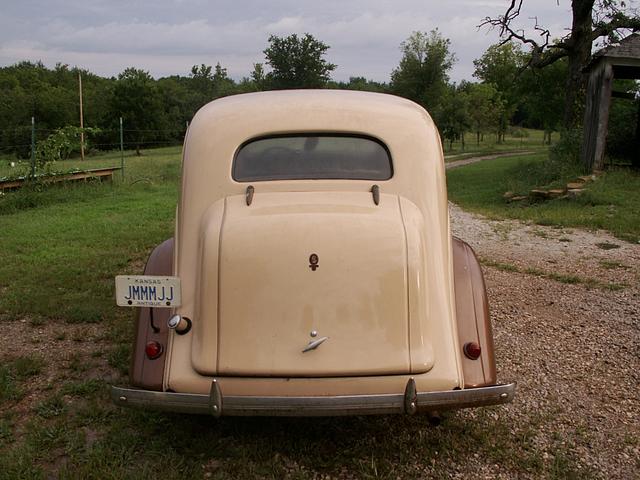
<point>151,325</point>
<point>472,314</point>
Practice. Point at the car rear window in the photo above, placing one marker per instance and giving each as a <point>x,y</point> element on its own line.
<point>301,157</point>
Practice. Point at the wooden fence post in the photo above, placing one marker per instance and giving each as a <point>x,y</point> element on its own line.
<point>596,116</point>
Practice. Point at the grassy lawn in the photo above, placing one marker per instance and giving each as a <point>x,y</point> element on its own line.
<point>62,247</point>
<point>99,160</point>
<point>519,139</point>
<point>611,203</point>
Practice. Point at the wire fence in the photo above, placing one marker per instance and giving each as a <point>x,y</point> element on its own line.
<point>20,144</point>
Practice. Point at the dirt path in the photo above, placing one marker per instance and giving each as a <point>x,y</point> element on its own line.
<point>467,161</point>
<point>572,348</point>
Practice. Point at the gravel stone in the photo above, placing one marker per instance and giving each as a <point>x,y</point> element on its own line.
<point>573,350</point>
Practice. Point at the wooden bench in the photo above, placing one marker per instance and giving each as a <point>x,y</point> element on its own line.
<point>101,174</point>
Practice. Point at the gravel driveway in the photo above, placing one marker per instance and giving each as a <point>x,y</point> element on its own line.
<point>573,348</point>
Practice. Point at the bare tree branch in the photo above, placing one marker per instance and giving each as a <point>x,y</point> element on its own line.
<point>507,33</point>
<point>544,52</point>
<point>618,22</point>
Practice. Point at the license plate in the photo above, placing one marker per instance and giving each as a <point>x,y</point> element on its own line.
<point>147,291</point>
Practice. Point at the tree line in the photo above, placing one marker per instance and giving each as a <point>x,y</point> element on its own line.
<point>156,111</point>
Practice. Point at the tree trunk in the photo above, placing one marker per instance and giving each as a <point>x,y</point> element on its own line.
<point>579,56</point>
<point>478,138</point>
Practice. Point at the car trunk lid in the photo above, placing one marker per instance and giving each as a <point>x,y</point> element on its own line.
<point>296,267</point>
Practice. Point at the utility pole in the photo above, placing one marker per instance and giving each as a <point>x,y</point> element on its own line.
<point>33,147</point>
<point>121,150</point>
<point>81,117</point>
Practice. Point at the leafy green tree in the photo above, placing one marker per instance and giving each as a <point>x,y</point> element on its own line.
<point>297,62</point>
<point>178,104</point>
<point>137,101</point>
<point>51,96</point>
<point>202,82</point>
<point>14,119</point>
<point>362,84</point>
<point>452,115</point>
<point>96,92</point>
<point>255,82</point>
<point>47,94</point>
<point>423,73</point>
<point>500,66</point>
<point>258,75</point>
<point>485,108</point>
<point>32,90</point>
<point>542,93</point>
<point>223,85</point>
<point>208,83</point>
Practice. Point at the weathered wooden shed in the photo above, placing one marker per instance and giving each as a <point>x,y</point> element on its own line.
<point>614,61</point>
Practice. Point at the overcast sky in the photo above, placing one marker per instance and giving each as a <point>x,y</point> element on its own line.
<point>167,37</point>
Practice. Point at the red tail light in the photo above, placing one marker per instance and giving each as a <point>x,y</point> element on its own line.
<point>472,350</point>
<point>153,350</point>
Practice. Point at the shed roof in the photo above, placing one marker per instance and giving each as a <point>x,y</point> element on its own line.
<point>623,57</point>
<point>628,47</point>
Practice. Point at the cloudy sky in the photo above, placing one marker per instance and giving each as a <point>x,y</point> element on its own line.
<point>167,37</point>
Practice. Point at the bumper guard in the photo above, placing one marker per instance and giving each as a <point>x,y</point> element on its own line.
<point>217,404</point>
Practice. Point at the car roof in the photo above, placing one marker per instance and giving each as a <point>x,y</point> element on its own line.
<point>221,127</point>
<point>326,107</point>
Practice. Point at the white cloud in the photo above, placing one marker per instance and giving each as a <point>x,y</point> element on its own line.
<point>285,25</point>
<point>167,37</point>
<point>194,37</point>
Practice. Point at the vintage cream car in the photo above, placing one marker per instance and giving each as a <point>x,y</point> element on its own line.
<point>313,271</point>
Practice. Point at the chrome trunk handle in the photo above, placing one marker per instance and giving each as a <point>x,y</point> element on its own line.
<point>313,344</point>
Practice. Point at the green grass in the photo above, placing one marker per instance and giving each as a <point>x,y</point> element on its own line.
<point>133,163</point>
<point>14,372</point>
<point>558,277</point>
<point>9,389</point>
<point>83,388</point>
<point>611,203</point>
<point>67,243</point>
<point>154,168</point>
<point>65,255</point>
<point>531,141</point>
<point>51,407</point>
<point>134,444</point>
<point>612,264</point>
<point>6,429</point>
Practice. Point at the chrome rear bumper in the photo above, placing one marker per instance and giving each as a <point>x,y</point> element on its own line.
<point>216,404</point>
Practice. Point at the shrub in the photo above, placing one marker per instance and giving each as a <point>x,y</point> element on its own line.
<point>567,150</point>
<point>61,144</point>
